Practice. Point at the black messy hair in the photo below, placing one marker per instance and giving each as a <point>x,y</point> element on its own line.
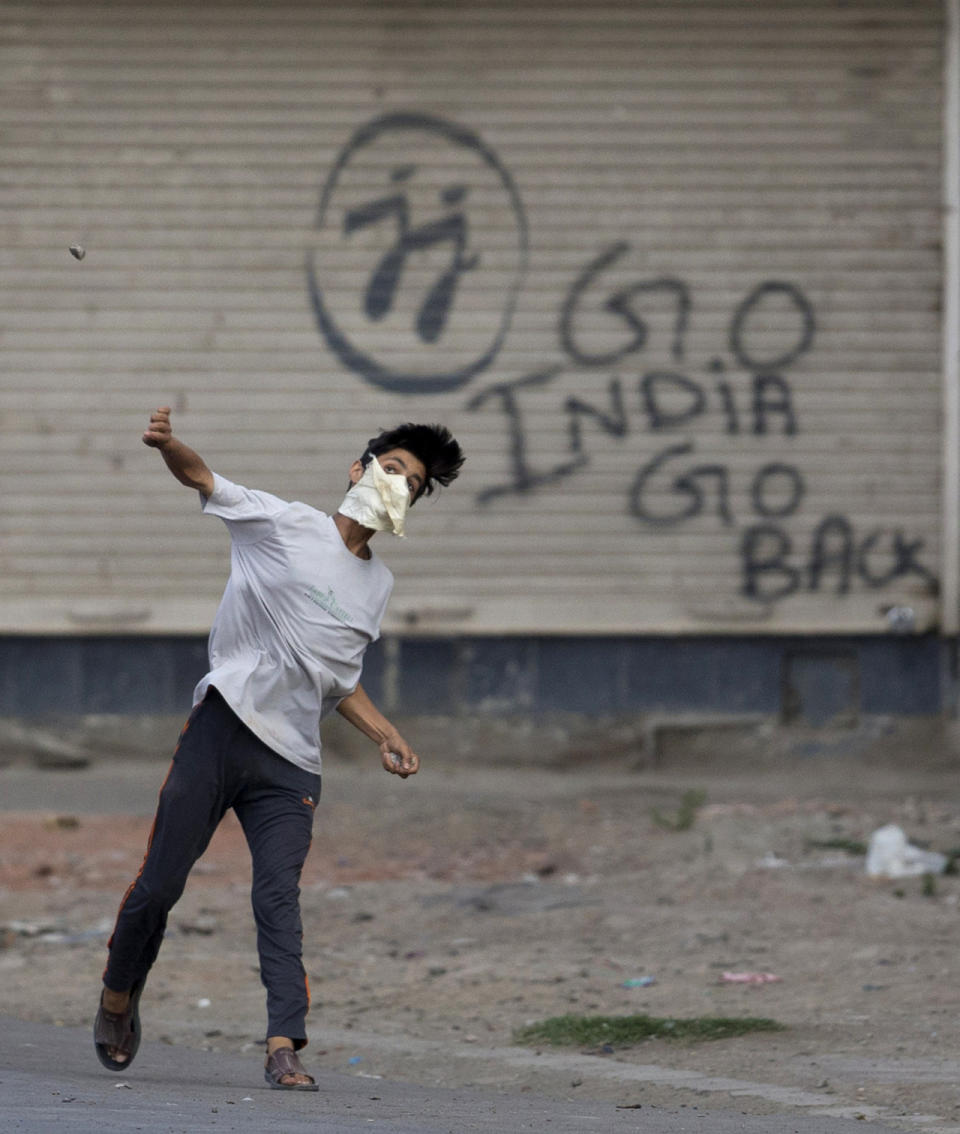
<point>434,445</point>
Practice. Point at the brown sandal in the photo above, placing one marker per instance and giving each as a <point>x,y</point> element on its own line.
<point>119,1031</point>
<point>285,1061</point>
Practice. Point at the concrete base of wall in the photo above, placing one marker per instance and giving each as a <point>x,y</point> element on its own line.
<point>642,702</point>
<point>819,682</point>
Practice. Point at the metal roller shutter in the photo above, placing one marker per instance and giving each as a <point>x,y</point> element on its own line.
<point>671,272</point>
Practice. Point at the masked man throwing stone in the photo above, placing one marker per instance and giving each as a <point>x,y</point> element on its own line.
<point>305,598</point>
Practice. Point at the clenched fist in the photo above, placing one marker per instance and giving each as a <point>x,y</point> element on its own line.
<point>159,432</point>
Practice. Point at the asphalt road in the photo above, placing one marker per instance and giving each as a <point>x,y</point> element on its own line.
<point>50,1080</point>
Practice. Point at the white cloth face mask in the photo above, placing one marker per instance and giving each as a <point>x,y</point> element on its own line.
<point>379,500</point>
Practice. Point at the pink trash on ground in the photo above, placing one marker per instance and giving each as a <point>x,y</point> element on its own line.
<point>749,978</point>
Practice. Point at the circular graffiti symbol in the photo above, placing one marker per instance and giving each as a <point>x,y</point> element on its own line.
<point>403,290</point>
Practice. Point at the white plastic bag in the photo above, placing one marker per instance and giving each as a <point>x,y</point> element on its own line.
<point>889,855</point>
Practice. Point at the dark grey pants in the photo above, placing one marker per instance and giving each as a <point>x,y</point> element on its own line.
<point>219,764</point>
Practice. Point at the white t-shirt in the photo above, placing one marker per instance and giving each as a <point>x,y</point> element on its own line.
<point>298,612</point>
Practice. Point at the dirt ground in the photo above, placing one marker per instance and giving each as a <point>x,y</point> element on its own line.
<point>443,912</point>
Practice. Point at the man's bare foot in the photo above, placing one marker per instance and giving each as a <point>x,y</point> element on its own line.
<point>116,1002</point>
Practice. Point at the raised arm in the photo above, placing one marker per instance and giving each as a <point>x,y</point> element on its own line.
<point>186,465</point>
<point>363,714</point>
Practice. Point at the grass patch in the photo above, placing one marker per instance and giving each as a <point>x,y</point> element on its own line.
<point>622,1031</point>
<point>851,846</point>
<point>685,815</point>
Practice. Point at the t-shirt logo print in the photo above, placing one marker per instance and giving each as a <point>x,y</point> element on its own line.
<point>328,602</point>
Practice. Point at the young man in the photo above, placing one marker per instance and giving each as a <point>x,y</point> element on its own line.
<point>304,599</point>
